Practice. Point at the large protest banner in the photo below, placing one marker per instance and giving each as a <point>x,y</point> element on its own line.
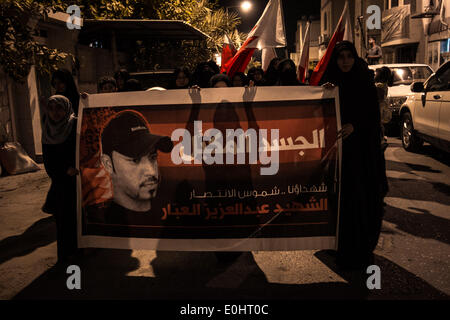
<point>250,169</point>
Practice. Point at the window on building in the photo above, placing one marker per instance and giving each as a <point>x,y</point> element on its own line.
<point>394,3</point>
<point>325,21</point>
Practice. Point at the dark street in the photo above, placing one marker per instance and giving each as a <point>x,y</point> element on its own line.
<point>413,251</point>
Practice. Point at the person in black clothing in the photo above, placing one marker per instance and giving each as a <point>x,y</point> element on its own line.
<point>133,85</point>
<point>62,81</point>
<point>256,74</point>
<point>271,75</point>
<point>213,65</point>
<point>58,146</point>
<point>121,76</point>
<point>106,85</point>
<point>287,73</point>
<point>220,81</point>
<point>203,73</point>
<point>362,186</point>
<point>181,79</point>
<point>239,80</point>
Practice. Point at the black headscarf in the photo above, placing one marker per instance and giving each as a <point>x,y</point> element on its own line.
<point>357,92</point>
<point>219,77</point>
<point>124,76</point>
<point>133,85</point>
<point>287,76</point>
<point>71,91</point>
<point>242,76</point>
<point>203,73</point>
<point>252,73</point>
<point>173,79</point>
<point>334,75</point>
<point>271,75</point>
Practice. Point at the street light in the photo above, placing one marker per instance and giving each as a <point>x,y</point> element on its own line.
<point>245,6</point>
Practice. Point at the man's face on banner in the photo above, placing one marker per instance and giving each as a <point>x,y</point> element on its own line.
<point>134,180</point>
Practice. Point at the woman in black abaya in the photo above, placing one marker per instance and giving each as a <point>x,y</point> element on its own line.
<point>362,187</point>
<point>58,149</point>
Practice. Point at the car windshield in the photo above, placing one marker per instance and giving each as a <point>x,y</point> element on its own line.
<point>406,75</point>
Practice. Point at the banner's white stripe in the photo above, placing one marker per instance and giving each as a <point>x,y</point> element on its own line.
<point>209,95</point>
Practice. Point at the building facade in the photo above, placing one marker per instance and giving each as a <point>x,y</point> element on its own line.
<point>402,38</point>
<point>412,31</point>
<point>436,18</point>
<point>313,44</point>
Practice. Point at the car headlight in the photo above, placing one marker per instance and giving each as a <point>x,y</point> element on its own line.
<point>396,102</point>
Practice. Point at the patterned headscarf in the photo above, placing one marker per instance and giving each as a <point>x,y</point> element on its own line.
<point>57,132</point>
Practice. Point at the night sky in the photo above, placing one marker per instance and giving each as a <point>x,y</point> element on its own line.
<point>293,10</point>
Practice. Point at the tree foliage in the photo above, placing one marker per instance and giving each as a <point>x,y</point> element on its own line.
<point>205,16</point>
<point>18,49</point>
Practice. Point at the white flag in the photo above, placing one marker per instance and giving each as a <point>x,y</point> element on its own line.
<point>269,30</point>
<point>267,33</point>
<point>304,58</point>
<point>347,25</point>
<point>267,55</point>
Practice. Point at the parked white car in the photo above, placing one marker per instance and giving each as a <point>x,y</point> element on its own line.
<point>404,74</point>
<point>426,113</point>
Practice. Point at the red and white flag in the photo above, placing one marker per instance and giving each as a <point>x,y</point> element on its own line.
<point>228,51</point>
<point>343,31</point>
<point>304,58</point>
<point>267,33</point>
<point>267,54</point>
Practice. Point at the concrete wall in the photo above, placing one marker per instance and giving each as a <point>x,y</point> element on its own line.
<point>6,123</point>
<point>23,101</point>
<point>26,109</point>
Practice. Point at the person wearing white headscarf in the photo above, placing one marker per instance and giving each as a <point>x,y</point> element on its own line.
<point>58,149</point>
<point>56,132</point>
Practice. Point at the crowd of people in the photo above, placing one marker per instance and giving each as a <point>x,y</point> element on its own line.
<point>281,72</point>
<point>363,179</point>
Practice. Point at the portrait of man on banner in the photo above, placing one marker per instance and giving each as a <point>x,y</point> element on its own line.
<point>209,175</point>
<point>129,155</point>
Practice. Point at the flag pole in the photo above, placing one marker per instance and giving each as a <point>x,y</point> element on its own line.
<point>284,28</point>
